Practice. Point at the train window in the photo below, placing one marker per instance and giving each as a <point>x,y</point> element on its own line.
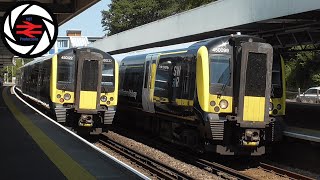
<point>66,71</point>
<point>162,78</point>
<point>89,79</point>
<point>220,69</point>
<point>107,74</point>
<point>256,73</point>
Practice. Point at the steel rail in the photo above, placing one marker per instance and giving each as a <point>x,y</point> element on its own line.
<point>155,167</point>
<point>283,172</point>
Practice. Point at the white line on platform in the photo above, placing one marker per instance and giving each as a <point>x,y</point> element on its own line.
<point>301,136</point>
<point>80,138</point>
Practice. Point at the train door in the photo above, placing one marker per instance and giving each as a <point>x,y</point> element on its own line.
<point>255,89</point>
<point>147,90</point>
<point>88,81</point>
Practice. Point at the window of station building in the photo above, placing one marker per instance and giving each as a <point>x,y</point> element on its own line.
<point>63,43</point>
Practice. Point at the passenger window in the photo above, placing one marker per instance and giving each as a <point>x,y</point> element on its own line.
<point>162,78</point>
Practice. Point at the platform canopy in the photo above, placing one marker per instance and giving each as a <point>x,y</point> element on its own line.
<point>64,10</point>
<point>283,23</point>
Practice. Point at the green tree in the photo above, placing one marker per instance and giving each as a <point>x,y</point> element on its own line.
<point>127,14</point>
<point>302,70</point>
<point>12,70</point>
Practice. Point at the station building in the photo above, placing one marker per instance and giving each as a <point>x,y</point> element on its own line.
<point>72,39</point>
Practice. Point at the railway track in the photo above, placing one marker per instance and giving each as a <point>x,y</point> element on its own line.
<point>153,166</point>
<point>283,172</point>
<point>218,168</point>
<point>212,167</point>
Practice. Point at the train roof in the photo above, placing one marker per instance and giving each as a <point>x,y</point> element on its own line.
<point>180,47</point>
<point>43,58</point>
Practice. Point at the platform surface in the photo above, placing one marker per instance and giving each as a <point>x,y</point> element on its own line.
<point>303,133</point>
<point>35,148</point>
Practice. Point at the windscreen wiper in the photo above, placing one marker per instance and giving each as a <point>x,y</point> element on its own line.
<point>224,86</point>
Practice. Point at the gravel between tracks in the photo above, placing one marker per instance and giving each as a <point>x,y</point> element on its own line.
<point>259,173</point>
<point>192,171</point>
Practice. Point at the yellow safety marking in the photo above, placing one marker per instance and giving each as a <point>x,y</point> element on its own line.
<point>184,102</point>
<point>160,99</point>
<point>254,108</point>
<point>202,70</point>
<point>70,168</point>
<point>250,143</point>
<point>88,100</point>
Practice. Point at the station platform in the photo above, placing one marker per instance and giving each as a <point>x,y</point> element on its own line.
<point>34,148</point>
<point>302,133</point>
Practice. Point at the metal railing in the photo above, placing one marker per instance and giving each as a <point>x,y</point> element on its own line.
<point>297,96</point>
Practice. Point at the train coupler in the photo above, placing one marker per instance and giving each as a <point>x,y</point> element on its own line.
<point>251,137</point>
<point>86,120</point>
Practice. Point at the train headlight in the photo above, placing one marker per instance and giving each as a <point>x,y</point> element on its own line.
<point>111,98</point>
<point>67,96</point>
<point>279,106</point>
<point>270,106</point>
<point>212,103</point>
<point>58,96</point>
<point>103,98</point>
<point>223,104</point>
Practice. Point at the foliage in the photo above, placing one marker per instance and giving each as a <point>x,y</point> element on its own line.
<point>127,14</point>
<point>12,70</point>
<point>302,70</point>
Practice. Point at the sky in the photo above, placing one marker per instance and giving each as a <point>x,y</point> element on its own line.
<point>89,21</point>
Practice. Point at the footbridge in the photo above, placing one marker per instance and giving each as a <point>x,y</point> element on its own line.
<point>284,24</point>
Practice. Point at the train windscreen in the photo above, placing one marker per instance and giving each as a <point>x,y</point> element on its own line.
<point>107,82</point>
<point>220,69</point>
<point>66,71</point>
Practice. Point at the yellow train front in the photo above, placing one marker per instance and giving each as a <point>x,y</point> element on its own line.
<point>78,85</point>
<point>224,95</point>
<point>240,90</point>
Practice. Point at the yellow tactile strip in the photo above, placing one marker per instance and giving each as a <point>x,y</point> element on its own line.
<point>70,168</point>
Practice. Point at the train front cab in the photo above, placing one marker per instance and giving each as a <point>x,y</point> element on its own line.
<point>84,88</point>
<point>235,105</point>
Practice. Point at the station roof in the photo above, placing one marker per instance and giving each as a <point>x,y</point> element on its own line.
<point>64,10</point>
<point>284,23</point>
